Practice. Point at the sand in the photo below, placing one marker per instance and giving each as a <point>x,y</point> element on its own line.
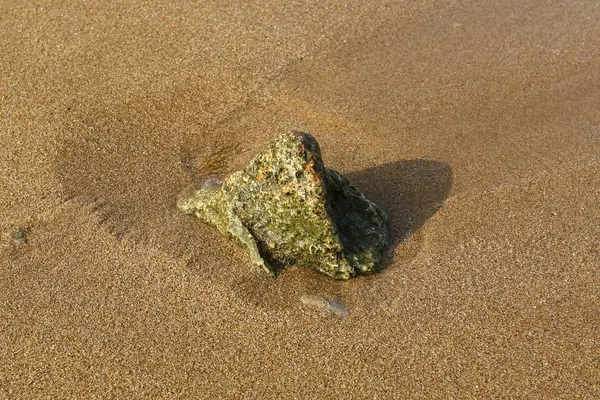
<point>476,125</point>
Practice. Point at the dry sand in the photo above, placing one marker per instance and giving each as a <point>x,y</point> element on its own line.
<point>475,124</point>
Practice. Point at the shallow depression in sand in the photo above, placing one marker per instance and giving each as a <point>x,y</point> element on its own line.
<point>133,167</point>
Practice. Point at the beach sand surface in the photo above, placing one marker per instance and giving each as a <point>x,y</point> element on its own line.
<point>474,124</point>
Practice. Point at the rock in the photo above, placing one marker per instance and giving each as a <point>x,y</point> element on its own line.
<point>287,209</point>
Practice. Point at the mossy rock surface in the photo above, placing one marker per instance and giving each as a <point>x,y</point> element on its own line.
<point>287,209</point>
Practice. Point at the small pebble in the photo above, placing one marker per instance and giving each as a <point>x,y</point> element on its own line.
<point>19,235</point>
<point>326,306</point>
<point>211,181</point>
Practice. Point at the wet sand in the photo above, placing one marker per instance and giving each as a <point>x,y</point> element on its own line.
<point>475,125</point>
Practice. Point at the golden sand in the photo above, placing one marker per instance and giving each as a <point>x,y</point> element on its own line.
<point>476,125</point>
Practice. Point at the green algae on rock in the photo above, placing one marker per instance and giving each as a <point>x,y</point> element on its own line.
<point>287,209</point>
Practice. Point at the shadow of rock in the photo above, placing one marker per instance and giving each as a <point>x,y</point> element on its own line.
<point>410,191</point>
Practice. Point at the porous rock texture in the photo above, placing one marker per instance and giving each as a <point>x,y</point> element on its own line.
<point>287,209</point>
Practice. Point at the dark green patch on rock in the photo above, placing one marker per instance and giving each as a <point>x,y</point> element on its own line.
<point>287,209</point>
